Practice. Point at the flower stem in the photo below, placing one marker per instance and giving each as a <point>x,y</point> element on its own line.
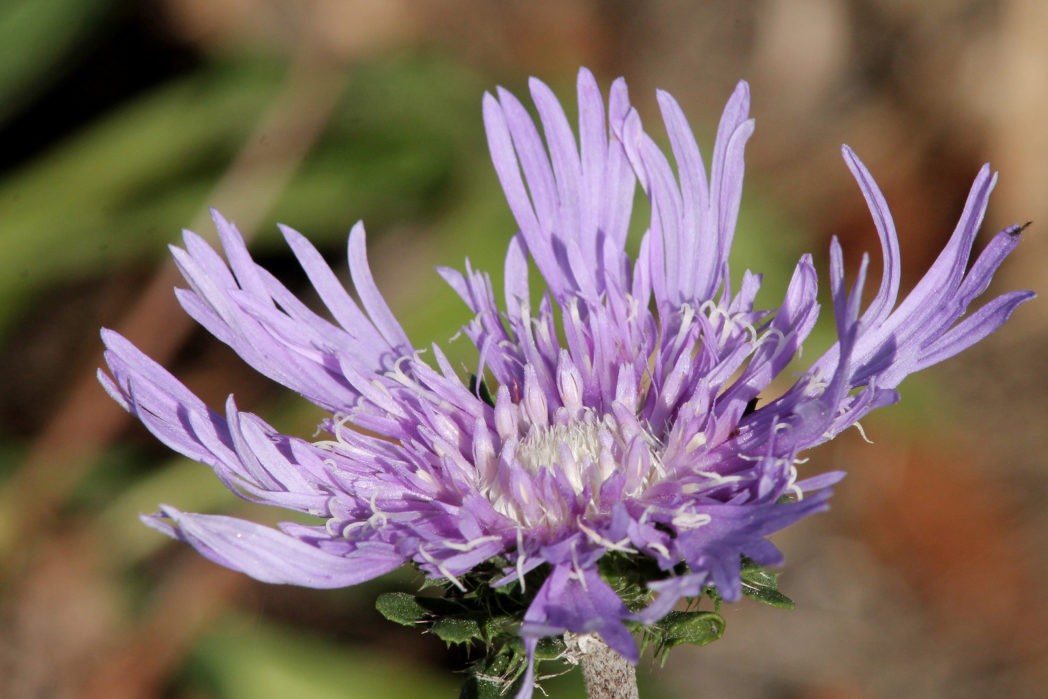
<point>608,675</point>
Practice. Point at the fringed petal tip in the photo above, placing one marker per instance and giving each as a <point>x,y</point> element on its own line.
<point>270,555</point>
<point>160,522</point>
<point>821,481</point>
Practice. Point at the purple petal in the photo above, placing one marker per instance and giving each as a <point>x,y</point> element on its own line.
<point>371,298</point>
<point>270,555</point>
<point>882,218</point>
<point>580,601</point>
<point>973,329</point>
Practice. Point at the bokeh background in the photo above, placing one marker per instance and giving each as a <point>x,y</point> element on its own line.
<point>122,121</point>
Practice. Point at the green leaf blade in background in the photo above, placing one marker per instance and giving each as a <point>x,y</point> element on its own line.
<point>102,195</point>
<point>37,37</point>
<point>250,659</point>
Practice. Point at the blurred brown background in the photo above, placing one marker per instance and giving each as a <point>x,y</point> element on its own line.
<point>120,122</point>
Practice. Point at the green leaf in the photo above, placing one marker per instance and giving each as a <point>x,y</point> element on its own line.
<point>401,607</point>
<point>456,629</point>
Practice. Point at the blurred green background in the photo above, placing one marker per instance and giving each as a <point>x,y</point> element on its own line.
<point>122,122</point>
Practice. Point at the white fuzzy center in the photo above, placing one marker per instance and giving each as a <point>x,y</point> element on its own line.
<point>546,448</point>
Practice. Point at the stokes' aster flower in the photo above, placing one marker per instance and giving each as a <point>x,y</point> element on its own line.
<point>622,415</point>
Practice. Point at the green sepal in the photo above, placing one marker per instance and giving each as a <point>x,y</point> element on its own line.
<point>401,607</point>
<point>711,592</point>
<point>428,582</point>
<point>481,688</point>
<point>628,576</point>
<point>454,629</point>
<point>495,677</point>
<point>547,648</point>
<point>410,610</point>
<point>763,585</point>
<point>550,648</point>
<point>676,628</point>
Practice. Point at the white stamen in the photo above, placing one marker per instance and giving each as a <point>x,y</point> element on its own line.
<point>716,479</point>
<point>542,447</point>
<point>729,323</point>
<point>378,518</point>
<point>659,549</point>
<point>606,543</point>
<point>520,557</point>
<point>441,568</point>
<point>691,520</point>
<point>472,544</point>
<point>339,423</point>
<point>695,442</point>
<point>523,493</point>
<point>427,477</point>
<point>791,485</point>
<point>577,573</point>
<point>350,527</point>
<point>398,374</point>
<point>581,452</point>
<point>770,334</point>
<point>863,433</point>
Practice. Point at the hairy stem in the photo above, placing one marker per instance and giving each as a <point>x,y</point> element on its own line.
<point>608,675</point>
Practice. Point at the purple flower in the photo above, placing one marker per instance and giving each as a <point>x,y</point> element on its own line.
<point>623,411</point>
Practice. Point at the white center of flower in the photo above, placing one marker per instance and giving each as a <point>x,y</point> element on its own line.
<point>577,441</point>
<point>586,451</point>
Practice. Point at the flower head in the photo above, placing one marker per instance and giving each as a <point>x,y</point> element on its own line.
<point>623,410</point>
